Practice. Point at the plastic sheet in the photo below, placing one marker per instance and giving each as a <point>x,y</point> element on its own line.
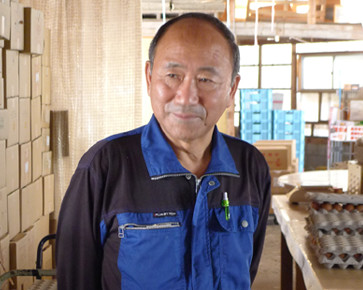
<point>96,72</point>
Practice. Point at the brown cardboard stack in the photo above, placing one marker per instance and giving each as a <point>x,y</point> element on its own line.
<point>26,176</point>
<point>280,155</point>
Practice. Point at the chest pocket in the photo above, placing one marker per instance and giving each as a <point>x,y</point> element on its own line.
<point>233,240</point>
<point>150,254</point>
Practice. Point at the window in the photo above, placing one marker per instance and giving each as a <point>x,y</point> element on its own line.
<point>317,72</point>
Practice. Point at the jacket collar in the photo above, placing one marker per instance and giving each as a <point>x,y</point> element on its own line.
<point>161,160</point>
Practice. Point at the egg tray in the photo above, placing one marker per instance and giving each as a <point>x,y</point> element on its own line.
<point>340,251</point>
<point>336,223</point>
<point>332,198</point>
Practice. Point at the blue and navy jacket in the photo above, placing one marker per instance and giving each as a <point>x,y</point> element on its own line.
<point>134,218</point>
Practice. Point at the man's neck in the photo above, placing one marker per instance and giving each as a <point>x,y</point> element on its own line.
<point>195,159</point>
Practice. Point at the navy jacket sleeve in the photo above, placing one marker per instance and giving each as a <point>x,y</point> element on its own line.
<point>263,180</point>
<point>78,245</point>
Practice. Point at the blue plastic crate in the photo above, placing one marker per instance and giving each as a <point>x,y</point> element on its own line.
<point>287,117</point>
<point>246,136</point>
<point>247,125</point>
<point>256,99</point>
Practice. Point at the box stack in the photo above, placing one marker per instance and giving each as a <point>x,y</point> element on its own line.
<point>26,177</point>
<point>259,122</point>
<point>281,158</point>
<point>256,115</point>
<point>355,169</point>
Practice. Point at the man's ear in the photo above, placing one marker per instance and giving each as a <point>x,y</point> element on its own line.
<point>148,75</point>
<point>233,90</point>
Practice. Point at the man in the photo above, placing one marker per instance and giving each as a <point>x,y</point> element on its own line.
<point>174,204</point>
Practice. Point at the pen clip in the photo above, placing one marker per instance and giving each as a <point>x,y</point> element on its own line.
<point>225,204</point>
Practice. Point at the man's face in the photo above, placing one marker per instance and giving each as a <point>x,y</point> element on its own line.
<point>190,83</point>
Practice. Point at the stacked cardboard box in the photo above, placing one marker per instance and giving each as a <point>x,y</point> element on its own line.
<point>280,155</point>
<point>26,176</point>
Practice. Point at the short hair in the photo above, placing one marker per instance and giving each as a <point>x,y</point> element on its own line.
<point>219,25</point>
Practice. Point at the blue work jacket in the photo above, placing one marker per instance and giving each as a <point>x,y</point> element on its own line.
<point>134,218</point>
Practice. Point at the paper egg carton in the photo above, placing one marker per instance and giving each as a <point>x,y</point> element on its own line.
<point>334,203</point>
<point>332,223</point>
<point>332,198</point>
<point>341,251</point>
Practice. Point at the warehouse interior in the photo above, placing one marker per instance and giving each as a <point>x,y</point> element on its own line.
<point>73,74</point>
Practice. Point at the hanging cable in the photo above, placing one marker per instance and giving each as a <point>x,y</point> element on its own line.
<point>228,15</point>
<point>256,23</point>
<point>164,11</point>
<point>273,16</point>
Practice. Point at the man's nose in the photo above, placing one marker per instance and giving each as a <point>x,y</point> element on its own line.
<point>187,92</point>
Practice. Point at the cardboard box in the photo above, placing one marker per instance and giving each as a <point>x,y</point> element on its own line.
<point>33,31</point>
<point>4,124</point>
<point>14,213</point>
<point>11,73</point>
<point>19,259</point>
<point>36,118</point>
<point>3,212</point>
<point>2,164</point>
<point>24,120</point>
<point>47,164</point>
<point>36,158</point>
<point>289,144</point>
<point>45,116</point>
<point>5,21</point>
<point>45,139</point>
<point>13,119</point>
<point>46,85</point>
<point>355,178</point>
<point>5,258</point>
<point>2,95</point>
<point>48,194</point>
<point>276,157</point>
<point>40,230</point>
<point>31,204</point>
<point>25,164</point>
<point>48,258</point>
<point>12,168</point>
<point>355,110</point>
<point>46,52</point>
<point>36,76</point>
<point>24,75</point>
<point>16,40</point>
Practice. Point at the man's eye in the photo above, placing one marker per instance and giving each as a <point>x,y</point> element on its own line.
<point>205,80</point>
<point>172,76</point>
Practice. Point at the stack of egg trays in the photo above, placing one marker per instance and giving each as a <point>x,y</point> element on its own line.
<point>336,236</point>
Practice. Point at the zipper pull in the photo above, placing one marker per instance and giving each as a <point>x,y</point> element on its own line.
<point>121,231</point>
<point>225,204</point>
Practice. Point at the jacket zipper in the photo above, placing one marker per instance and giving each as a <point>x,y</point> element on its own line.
<point>133,226</point>
<point>197,180</point>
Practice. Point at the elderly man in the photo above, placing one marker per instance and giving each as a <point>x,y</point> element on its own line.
<point>174,204</point>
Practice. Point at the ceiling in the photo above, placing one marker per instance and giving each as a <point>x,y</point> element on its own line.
<point>245,31</point>
<point>181,6</point>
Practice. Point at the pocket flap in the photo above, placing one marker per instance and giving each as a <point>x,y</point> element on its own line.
<point>242,218</point>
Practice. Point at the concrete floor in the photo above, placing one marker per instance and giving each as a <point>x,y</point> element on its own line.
<point>268,275</point>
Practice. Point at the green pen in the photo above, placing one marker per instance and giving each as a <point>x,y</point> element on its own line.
<point>225,204</point>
